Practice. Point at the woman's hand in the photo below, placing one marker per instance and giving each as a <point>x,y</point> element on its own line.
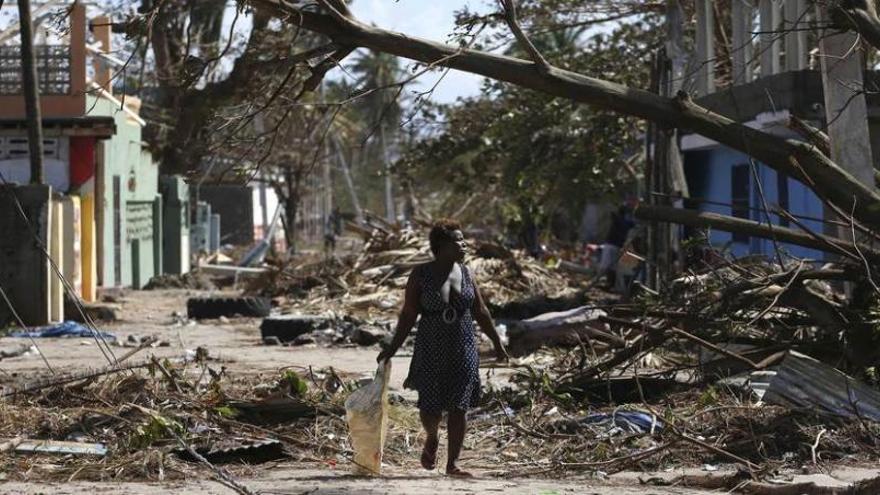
<point>385,355</point>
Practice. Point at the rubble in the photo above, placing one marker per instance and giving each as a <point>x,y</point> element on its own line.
<point>368,285</point>
<point>740,366</point>
<point>195,280</point>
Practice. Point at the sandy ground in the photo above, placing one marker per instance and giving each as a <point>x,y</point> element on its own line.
<point>298,480</point>
<point>237,344</point>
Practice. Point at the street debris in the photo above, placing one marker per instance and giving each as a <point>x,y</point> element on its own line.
<point>737,366</point>
<point>67,329</point>
<point>803,382</point>
<point>217,307</point>
<point>368,284</point>
<point>27,446</point>
<point>195,280</point>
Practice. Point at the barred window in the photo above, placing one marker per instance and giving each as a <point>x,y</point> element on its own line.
<point>53,69</point>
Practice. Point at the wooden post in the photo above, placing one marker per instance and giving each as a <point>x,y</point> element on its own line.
<point>389,186</point>
<point>103,72</point>
<point>742,16</point>
<point>675,49</point>
<point>670,83</point>
<point>31,92</point>
<point>705,47</point>
<point>846,111</point>
<point>769,37</point>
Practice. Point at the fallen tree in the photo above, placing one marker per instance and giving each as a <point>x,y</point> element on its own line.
<point>709,220</point>
<point>795,158</point>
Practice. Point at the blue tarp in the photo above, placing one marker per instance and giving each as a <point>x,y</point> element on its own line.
<point>66,329</point>
<point>629,421</point>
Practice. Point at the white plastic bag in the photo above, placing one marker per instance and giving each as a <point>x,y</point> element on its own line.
<point>366,411</point>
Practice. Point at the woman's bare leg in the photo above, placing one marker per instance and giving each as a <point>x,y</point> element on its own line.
<point>456,425</point>
<point>431,423</point>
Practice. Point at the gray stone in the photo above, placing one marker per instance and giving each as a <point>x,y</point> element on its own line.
<point>368,335</point>
<point>303,340</point>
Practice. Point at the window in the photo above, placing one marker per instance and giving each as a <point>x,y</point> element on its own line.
<point>740,181</point>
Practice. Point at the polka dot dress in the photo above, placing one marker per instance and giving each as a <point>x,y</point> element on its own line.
<point>445,365</point>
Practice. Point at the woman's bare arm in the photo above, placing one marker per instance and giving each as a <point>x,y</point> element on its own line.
<point>484,320</point>
<point>407,318</point>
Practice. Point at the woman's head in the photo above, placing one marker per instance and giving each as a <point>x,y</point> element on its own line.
<point>447,241</point>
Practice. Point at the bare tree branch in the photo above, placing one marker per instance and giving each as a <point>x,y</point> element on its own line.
<point>795,158</point>
<point>859,16</point>
<point>527,45</point>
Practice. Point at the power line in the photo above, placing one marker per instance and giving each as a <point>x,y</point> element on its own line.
<point>25,328</point>
<point>103,346</point>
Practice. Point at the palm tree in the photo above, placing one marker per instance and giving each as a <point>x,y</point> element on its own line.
<point>378,74</point>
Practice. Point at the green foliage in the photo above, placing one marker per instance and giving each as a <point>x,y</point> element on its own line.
<point>227,411</point>
<point>709,397</point>
<point>539,380</point>
<point>537,156</point>
<point>156,429</point>
<point>298,386</point>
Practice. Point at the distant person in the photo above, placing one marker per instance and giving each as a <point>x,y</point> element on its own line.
<point>332,229</point>
<point>445,365</point>
<point>621,223</point>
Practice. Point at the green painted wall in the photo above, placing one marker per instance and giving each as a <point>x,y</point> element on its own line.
<point>124,156</point>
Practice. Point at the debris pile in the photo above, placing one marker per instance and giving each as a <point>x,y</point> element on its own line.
<point>370,283</point>
<point>195,280</point>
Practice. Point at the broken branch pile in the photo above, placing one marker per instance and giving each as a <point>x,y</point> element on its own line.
<point>369,283</point>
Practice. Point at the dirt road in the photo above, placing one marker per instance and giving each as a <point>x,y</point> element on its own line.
<point>237,344</point>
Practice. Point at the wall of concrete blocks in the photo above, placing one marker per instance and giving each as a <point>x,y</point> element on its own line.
<point>24,265</point>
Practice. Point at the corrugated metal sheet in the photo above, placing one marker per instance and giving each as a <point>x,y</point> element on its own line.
<point>804,382</point>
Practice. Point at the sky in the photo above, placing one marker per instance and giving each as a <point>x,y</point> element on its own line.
<point>431,19</point>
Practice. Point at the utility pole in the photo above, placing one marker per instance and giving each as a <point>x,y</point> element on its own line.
<point>389,186</point>
<point>31,92</point>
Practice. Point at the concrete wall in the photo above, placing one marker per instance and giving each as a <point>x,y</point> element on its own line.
<point>123,158</point>
<point>175,225</point>
<point>236,209</point>
<point>24,267</point>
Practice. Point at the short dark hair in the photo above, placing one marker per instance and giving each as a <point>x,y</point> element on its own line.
<point>442,232</point>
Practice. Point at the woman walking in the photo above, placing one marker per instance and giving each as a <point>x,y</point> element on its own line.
<point>445,364</point>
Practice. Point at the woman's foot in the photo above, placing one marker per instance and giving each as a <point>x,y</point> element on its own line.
<point>429,453</point>
<point>456,472</point>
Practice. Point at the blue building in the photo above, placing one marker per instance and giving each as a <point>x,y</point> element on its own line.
<point>729,182</point>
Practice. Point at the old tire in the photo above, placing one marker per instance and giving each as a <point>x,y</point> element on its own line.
<point>286,328</point>
<point>214,307</point>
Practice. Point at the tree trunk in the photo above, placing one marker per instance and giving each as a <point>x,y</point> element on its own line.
<point>31,92</point>
<point>349,184</point>
<point>289,194</point>
<point>792,157</point>
<point>707,220</point>
<point>389,186</point>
